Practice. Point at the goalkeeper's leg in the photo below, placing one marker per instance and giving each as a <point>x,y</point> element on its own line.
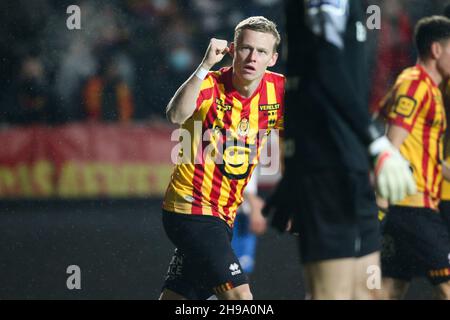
<point>330,279</point>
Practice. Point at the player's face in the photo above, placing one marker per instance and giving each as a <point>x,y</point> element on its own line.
<point>252,53</point>
<point>443,62</point>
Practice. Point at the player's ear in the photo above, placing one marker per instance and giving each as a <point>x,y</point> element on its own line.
<point>435,50</point>
<point>232,48</point>
<point>273,60</point>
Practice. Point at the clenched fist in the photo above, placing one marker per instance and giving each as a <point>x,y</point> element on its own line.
<point>217,49</point>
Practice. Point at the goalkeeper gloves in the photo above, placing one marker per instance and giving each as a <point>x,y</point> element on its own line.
<point>393,177</point>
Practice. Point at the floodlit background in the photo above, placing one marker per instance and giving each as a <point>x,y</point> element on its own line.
<point>82,178</point>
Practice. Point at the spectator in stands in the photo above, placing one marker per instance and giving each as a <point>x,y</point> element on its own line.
<point>28,100</point>
<point>106,96</point>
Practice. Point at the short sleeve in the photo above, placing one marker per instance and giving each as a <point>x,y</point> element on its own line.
<point>407,102</point>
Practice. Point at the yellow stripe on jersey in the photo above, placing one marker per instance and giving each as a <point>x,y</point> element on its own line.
<point>253,121</point>
<point>272,98</point>
<point>208,83</point>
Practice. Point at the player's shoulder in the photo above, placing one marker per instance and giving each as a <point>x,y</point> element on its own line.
<point>277,78</point>
<point>218,76</point>
<point>410,74</point>
<point>413,76</point>
<point>214,75</point>
<point>212,78</point>
<point>274,75</point>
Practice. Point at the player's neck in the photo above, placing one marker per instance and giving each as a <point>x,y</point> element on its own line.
<point>430,67</point>
<point>245,89</point>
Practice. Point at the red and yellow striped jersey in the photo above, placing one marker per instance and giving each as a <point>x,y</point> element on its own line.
<point>227,134</point>
<point>415,103</point>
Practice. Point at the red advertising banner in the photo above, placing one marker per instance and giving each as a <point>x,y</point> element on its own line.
<point>88,160</point>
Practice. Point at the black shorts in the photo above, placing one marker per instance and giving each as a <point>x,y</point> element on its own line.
<point>204,262</point>
<point>336,216</point>
<point>416,243</point>
<point>444,208</point>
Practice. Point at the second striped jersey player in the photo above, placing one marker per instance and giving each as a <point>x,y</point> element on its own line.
<point>415,104</point>
<point>416,240</point>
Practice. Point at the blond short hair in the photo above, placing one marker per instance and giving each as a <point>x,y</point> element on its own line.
<point>260,24</point>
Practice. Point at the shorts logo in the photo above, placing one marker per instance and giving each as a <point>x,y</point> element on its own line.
<point>234,268</point>
<point>189,198</point>
<point>175,266</point>
<point>405,106</point>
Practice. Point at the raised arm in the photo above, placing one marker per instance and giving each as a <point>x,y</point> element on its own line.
<point>183,103</point>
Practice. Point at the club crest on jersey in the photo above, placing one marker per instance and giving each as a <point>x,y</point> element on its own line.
<point>243,127</point>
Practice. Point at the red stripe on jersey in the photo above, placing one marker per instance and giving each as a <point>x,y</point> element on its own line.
<point>215,190</point>
<point>232,197</point>
<point>209,119</point>
<point>426,145</point>
<point>424,103</point>
<point>435,187</point>
<point>227,115</point>
<point>205,94</point>
<point>280,97</point>
<point>197,190</point>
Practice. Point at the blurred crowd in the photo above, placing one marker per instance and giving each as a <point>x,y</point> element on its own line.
<point>130,56</point>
